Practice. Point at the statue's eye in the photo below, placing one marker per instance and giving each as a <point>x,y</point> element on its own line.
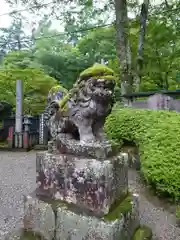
<point>59,95</point>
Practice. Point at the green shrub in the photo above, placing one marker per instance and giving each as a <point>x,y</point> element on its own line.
<point>157,134</point>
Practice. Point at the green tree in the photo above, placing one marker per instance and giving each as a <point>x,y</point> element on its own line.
<point>14,37</point>
<point>36,86</point>
<point>58,58</point>
<point>154,68</point>
<point>19,59</point>
<point>99,44</point>
<point>162,51</point>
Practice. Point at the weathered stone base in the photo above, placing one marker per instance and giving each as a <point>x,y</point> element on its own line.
<point>22,234</point>
<point>72,226</point>
<point>58,221</point>
<point>89,183</point>
<point>39,217</point>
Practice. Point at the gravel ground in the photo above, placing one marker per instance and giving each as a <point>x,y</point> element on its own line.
<point>161,221</point>
<point>17,177</point>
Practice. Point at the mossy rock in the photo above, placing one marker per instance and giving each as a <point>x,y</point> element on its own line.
<point>121,206</point>
<point>97,70</point>
<point>143,233</point>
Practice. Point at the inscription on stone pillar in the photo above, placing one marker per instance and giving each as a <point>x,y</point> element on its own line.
<point>18,123</point>
<point>41,129</point>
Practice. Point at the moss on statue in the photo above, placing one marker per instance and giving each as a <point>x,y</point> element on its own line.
<point>121,206</point>
<point>142,233</point>
<point>97,70</point>
<point>56,88</point>
<point>107,77</point>
<point>63,103</point>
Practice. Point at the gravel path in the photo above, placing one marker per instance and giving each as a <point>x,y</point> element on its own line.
<point>161,221</point>
<point>17,177</point>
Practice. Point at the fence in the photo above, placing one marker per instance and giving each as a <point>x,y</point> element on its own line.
<point>155,100</point>
<point>31,131</point>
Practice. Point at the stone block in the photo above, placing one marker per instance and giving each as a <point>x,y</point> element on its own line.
<point>39,217</point>
<point>91,184</point>
<point>21,234</point>
<point>40,156</point>
<point>131,218</point>
<point>72,225</point>
<point>15,235</point>
<point>98,150</point>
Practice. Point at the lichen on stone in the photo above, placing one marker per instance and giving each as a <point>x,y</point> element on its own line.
<point>55,204</point>
<point>143,233</point>
<point>97,70</point>
<point>56,88</point>
<point>121,206</point>
<point>106,77</point>
<point>63,103</point>
<point>29,235</point>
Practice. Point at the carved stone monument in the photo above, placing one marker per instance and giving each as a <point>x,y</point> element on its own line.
<point>161,101</point>
<point>82,180</point>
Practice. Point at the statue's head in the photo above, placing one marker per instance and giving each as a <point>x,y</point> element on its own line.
<point>97,82</point>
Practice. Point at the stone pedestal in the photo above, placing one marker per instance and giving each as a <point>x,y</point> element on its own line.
<point>82,194</point>
<point>39,217</point>
<point>89,183</point>
<point>67,222</point>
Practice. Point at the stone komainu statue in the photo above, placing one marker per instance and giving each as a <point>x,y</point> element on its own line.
<point>81,112</point>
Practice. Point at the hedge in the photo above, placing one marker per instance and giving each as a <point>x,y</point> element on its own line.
<point>157,134</point>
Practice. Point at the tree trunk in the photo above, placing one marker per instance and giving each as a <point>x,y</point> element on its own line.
<point>166,83</point>
<point>123,46</point>
<point>142,33</point>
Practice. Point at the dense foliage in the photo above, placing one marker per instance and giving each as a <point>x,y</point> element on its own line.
<point>157,135</point>
<point>36,86</point>
<point>63,56</point>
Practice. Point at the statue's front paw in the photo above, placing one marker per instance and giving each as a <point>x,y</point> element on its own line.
<point>87,139</point>
<point>101,137</point>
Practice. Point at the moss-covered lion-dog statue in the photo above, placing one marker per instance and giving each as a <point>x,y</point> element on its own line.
<point>81,112</point>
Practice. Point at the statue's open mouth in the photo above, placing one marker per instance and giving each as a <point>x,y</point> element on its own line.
<point>102,93</point>
<point>54,106</point>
